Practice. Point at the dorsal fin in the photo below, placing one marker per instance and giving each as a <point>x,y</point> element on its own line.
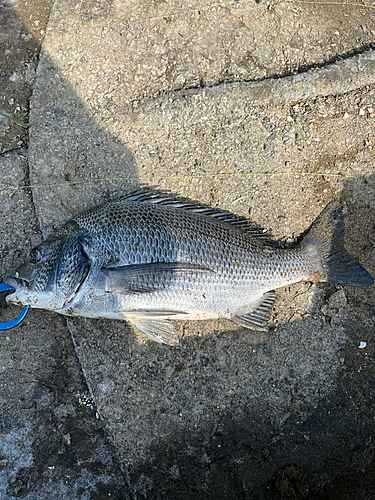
<point>168,199</point>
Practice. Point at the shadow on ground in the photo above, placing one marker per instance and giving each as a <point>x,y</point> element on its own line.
<point>239,414</point>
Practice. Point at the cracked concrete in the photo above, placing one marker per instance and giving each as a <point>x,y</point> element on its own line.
<point>187,100</point>
<point>23,27</point>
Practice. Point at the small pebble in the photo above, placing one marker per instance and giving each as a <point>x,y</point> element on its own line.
<point>338,300</point>
<point>66,439</point>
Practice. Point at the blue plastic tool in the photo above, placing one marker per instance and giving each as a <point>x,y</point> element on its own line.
<point>4,287</point>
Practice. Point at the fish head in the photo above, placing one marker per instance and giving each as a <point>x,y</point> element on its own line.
<point>51,274</point>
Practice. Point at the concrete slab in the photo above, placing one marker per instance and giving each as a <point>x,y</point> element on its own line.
<point>130,94</point>
<point>99,58</point>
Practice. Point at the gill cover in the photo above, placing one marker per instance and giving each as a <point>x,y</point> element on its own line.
<point>71,271</point>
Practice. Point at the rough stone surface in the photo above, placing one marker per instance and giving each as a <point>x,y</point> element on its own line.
<point>19,228</point>
<point>51,444</point>
<point>256,108</point>
<point>23,26</point>
<point>136,50</point>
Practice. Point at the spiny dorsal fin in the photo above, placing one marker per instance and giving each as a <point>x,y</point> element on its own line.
<point>168,199</point>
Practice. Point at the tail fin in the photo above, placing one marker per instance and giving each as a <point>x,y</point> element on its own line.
<point>327,238</point>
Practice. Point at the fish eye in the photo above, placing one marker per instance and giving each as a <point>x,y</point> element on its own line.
<point>36,254</point>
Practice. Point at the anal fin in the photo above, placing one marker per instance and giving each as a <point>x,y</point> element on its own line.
<point>161,331</point>
<point>259,315</point>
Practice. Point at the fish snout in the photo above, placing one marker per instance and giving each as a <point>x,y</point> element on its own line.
<point>20,286</point>
<point>12,281</point>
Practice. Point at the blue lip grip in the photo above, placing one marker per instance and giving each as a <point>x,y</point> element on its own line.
<point>4,287</point>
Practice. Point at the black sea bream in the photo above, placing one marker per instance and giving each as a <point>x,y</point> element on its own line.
<point>148,258</point>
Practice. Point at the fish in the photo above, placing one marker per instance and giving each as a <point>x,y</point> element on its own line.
<point>151,257</point>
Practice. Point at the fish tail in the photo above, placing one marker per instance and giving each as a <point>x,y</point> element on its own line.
<point>326,237</point>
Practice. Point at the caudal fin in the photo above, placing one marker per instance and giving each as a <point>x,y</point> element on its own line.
<point>327,238</point>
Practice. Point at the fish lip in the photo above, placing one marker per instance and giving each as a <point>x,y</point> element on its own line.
<point>17,283</point>
<point>12,282</point>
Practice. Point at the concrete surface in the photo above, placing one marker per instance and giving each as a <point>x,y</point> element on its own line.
<point>262,109</point>
<point>23,27</point>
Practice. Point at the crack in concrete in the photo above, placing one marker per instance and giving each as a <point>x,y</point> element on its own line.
<point>25,186</point>
<point>29,194</point>
<point>26,179</point>
<point>303,70</point>
<point>308,67</point>
<point>110,442</point>
<point>8,151</point>
<point>37,228</point>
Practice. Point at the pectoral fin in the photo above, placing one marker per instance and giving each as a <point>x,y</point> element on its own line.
<point>161,331</point>
<point>147,278</point>
<point>259,315</point>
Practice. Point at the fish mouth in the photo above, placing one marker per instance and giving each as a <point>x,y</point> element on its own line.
<point>17,282</point>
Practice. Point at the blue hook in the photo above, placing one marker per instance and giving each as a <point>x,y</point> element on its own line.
<point>4,287</point>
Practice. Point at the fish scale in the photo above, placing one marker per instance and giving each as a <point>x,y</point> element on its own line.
<point>131,233</point>
<point>150,258</point>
